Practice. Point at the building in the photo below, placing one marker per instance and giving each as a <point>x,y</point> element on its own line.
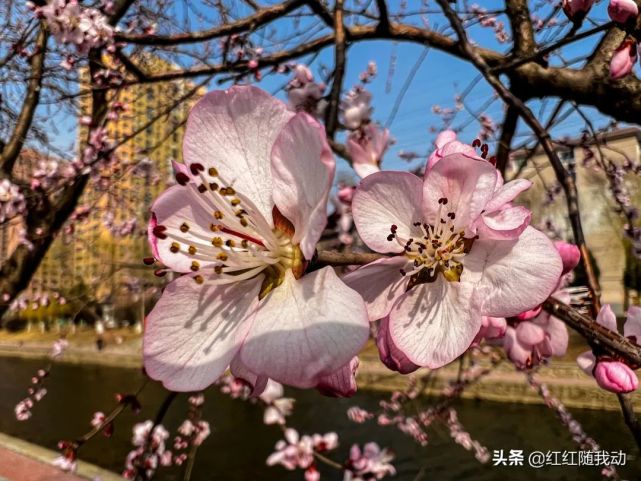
<point>603,227</point>
<point>101,254</point>
<point>149,134</point>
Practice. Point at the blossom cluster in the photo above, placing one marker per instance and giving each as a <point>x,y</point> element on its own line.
<point>70,22</point>
<point>12,201</point>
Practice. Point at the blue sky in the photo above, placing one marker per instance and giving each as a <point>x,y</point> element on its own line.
<point>437,81</point>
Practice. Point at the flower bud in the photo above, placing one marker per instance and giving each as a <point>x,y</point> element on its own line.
<point>623,59</point>
<point>622,10</point>
<point>577,9</point>
<point>615,377</point>
<point>570,255</point>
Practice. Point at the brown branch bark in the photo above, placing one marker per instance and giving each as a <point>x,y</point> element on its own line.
<point>12,149</point>
<point>331,119</point>
<point>522,32</point>
<point>508,129</point>
<point>250,23</point>
<point>335,258</point>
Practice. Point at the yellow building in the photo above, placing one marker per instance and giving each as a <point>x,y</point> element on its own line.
<point>603,227</point>
<point>148,135</point>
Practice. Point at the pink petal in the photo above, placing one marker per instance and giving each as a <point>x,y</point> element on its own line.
<point>444,137</point>
<point>303,169</point>
<point>519,354</point>
<point>529,334</point>
<point>557,338</point>
<point>306,329</point>
<point>529,314</point>
<point>513,275</point>
<point>615,377</point>
<point>176,206</point>
<point>384,199</point>
<point>632,326</point>
<point>341,383</point>
<point>363,170</point>
<point>379,283</point>
<point>507,193</point>
<point>622,10</point>
<point>240,371</point>
<point>234,131</point>
<point>390,355</point>
<point>570,255</point>
<point>504,224</point>
<point>194,331</point>
<point>433,324</point>
<point>607,318</point>
<point>467,184</point>
<point>586,362</point>
<point>623,59</point>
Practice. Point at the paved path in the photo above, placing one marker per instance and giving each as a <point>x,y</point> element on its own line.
<point>23,461</point>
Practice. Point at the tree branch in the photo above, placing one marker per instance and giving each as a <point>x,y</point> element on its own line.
<point>12,149</point>
<point>331,119</point>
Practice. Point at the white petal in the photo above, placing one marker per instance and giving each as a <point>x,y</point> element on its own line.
<point>194,331</point>
<point>234,131</point>
<point>306,328</point>
<point>384,199</point>
<point>303,169</point>
<point>380,283</point>
<point>513,276</point>
<point>434,323</point>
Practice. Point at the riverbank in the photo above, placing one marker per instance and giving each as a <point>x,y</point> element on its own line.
<point>23,461</point>
<point>123,348</point>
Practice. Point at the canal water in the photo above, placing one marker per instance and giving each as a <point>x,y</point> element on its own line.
<point>240,443</point>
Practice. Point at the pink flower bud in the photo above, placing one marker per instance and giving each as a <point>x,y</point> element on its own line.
<point>622,10</point>
<point>615,377</point>
<point>577,9</point>
<point>570,255</point>
<point>623,59</point>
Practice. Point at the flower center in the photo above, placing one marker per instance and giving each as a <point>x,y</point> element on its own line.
<point>242,243</point>
<point>438,248</point>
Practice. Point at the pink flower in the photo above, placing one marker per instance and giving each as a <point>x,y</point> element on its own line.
<point>622,10</point>
<point>615,377</point>
<point>370,463</point>
<point>536,339</point>
<point>623,59</point>
<point>367,146</point>
<point>65,463</point>
<point>445,276</point>
<point>446,144</point>
<point>491,328</point>
<point>356,108</point>
<point>304,94</point>
<point>244,300</point>
<point>612,375</point>
<point>278,407</point>
<point>577,9</point>
<point>297,451</point>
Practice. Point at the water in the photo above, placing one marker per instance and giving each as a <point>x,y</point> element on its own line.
<point>240,443</point>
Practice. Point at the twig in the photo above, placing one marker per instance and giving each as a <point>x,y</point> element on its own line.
<point>331,120</point>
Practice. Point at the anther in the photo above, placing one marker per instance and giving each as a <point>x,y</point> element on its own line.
<point>393,228</point>
<point>214,227</point>
<point>217,242</point>
<point>218,214</point>
<point>235,202</point>
<point>192,250</point>
<point>184,227</point>
<point>148,261</point>
<point>175,247</point>
<point>213,186</point>
<point>199,279</point>
<point>230,243</point>
<point>195,168</point>
<point>182,178</point>
<point>159,231</point>
<point>402,271</point>
<point>443,201</point>
<point>202,188</point>
<point>222,257</point>
<point>212,172</point>
<point>195,266</point>
<point>218,269</point>
<point>244,222</point>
